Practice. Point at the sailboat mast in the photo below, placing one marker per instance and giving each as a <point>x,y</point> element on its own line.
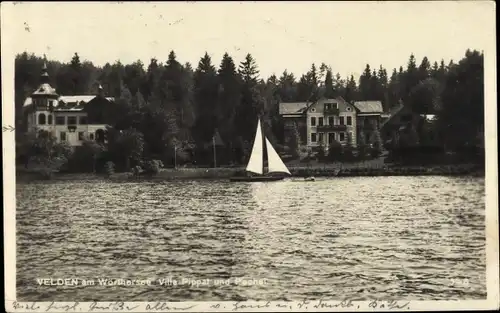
<point>215,156</point>
<point>263,136</point>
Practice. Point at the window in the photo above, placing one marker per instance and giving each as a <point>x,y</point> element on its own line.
<point>63,136</point>
<point>320,137</point>
<point>331,105</point>
<point>331,120</point>
<point>83,120</point>
<point>313,121</point>
<point>91,136</point>
<point>331,137</point>
<point>71,120</point>
<point>81,136</point>
<point>349,120</point>
<point>49,120</point>
<point>100,135</point>
<point>313,137</point>
<point>341,136</point>
<point>60,120</point>
<point>341,120</point>
<point>320,121</point>
<point>41,119</point>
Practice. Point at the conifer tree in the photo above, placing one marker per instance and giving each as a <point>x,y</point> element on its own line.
<point>424,69</point>
<point>329,88</point>
<point>364,83</point>
<point>206,95</point>
<point>287,90</point>
<point>229,98</point>
<point>351,92</point>
<point>252,102</point>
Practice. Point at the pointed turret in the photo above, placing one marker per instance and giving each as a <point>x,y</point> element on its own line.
<point>45,89</point>
<point>44,79</point>
<point>44,95</point>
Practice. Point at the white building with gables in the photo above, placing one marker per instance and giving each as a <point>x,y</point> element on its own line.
<point>321,122</point>
<point>65,117</point>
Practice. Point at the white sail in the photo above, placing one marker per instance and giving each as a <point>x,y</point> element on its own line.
<point>274,161</point>
<point>256,162</point>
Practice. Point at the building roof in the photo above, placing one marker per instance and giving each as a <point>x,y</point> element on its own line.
<point>397,110</point>
<point>297,108</point>
<point>293,107</point>
<point>81,98</point>
<point>394,111</point>
<point>368,106</point>
<point>428,117</point>
<point>76,99</point>
<point>45,90</point>
<point>73,103</point>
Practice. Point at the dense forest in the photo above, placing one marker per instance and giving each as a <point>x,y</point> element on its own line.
<point>173,104</point>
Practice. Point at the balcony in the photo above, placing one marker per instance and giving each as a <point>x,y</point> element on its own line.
<point>331,128</point>
<point>331,111</point>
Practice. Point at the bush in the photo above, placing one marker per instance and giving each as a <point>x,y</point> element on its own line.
<point>109,168</point>
<point>335,151</point>
<point>362,151</point>
<point>152,167</point>
<point>348,154</point>
<point>375,152</point>
<point>317,153</point>
<point>305,150</point>
<point>45,173</point>
<point>43,154</point>
<point>136,170</point>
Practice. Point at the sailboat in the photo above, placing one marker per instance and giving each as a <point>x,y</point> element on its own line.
<point>256,163</point>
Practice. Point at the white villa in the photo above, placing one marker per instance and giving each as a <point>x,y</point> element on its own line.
<point>321,122</point>
<point>64,116</point>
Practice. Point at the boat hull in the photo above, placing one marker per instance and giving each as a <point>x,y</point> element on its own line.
<point>255,179</point>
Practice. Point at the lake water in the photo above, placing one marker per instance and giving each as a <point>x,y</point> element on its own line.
<point>415,238</point>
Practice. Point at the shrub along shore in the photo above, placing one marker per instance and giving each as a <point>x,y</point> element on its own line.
<point>224,173</point>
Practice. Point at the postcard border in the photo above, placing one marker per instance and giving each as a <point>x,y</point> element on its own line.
<point>8,30</point>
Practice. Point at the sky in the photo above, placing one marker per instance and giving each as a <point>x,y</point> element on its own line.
<point>279,35</point>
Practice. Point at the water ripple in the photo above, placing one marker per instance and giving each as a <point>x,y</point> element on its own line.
<point>387,237</point>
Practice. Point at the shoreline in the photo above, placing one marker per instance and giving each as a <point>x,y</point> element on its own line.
<point>169,174</point>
